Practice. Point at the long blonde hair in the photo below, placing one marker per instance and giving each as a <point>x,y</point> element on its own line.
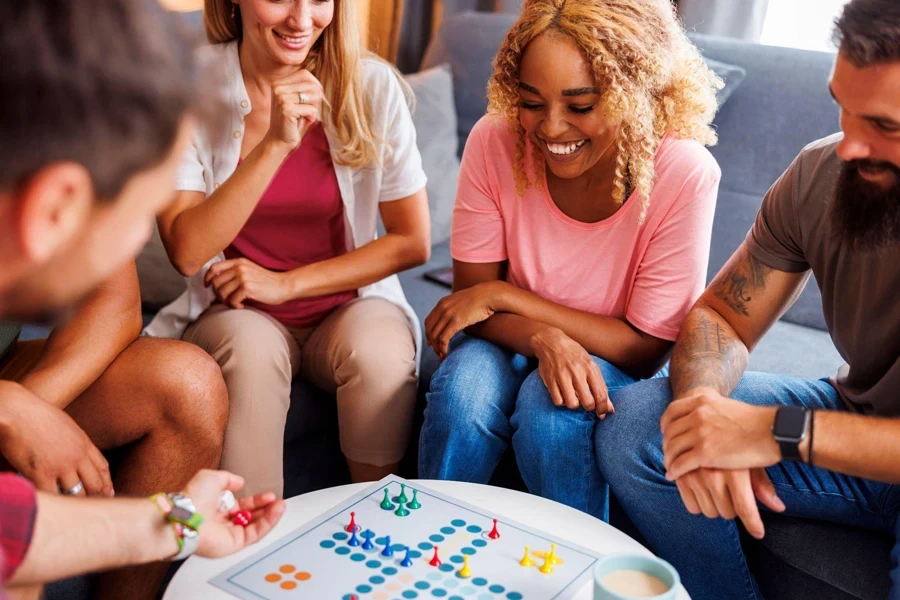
<point>335,62</point>
<point>651,76</point>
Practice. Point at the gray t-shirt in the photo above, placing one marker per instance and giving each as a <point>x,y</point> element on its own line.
<point>860,290</point>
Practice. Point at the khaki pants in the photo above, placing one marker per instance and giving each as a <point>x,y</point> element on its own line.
<point>363,352</point>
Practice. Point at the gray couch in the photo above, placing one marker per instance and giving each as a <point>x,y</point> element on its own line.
<point>781,105</point>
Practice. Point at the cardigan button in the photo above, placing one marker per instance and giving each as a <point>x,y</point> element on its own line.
<point>237,134</point>
<point>244,104</point>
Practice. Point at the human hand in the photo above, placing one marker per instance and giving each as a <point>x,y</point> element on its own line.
<point>291,119</point>
<point>219,536</point>
<point>570,374</point>
<point>45,445</point>
<point>238,280</point>
<point>730,494</point>
<point>709,430</point>
<point>460,310</point>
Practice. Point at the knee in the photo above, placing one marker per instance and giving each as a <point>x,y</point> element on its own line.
<point>538,420</point>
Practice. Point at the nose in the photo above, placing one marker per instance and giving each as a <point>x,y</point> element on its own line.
<point>855,145</point>
<point>555,125</point>
<point>301,17</point>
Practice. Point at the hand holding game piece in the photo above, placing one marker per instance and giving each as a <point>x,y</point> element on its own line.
<point>386,504</point>
<point>407,561</point>
<point>494,534</point>
<point>226,501</point>
<point>435,561</point>
<point>414,505</point>
<point>242,518</point>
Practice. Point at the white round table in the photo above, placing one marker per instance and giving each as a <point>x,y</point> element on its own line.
<point>564,523</point>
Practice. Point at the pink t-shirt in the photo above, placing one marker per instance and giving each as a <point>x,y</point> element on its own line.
<point>298,221</point>
<point>649,274</point>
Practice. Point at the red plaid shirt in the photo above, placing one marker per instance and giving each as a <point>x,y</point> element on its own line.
<point>18,509</point>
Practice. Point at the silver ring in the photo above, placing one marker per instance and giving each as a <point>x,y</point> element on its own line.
<point>75,489</point>
<point>303,98</point>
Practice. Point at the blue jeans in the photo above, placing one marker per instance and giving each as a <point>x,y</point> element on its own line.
<point>483,398</point>
<point>707,552</point>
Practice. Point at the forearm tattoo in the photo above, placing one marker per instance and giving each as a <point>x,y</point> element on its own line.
<point>707,354</point>
<point>737,286</point>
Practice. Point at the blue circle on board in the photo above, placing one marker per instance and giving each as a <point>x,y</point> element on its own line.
<point>469,551</point>
<point>410,594</point>
<point>342,550</point>
<point>497,589</point>
<point>479,543</point>
<point>448,530</point>
<point>467,591</point>
<point>451,583</point>
<point>364,589</point>
<point>425,546</point>
<point>398,547</point>
<point>485,597</point>
<point>473,529</point>
<point>435,576</point>
<point>446,568</point>
<point>358,557</point>
<point>347,597</point>
<point>341,536</point>
<point>373,564</point>
<point>380,541</point>
<point>438,593</point>
<point>437,539</point>
<point>415,554</point>
<point>458,523</point>
<point>327,544</point>
<point>514,596</point>
<point>456,558</point>
<point>389,571</point>
<point>455,598</point>
<point>479,581</point>
<point>376,579</point>
<point>422,585</point>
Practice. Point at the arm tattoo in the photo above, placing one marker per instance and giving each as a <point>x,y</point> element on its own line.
<point>737,286</point>
<point>707,354</point>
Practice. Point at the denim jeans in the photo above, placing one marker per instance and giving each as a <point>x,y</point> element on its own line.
<point>483,398</point>
<point>707,552</point>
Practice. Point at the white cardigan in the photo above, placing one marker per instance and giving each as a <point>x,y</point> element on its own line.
<point>213,157</point>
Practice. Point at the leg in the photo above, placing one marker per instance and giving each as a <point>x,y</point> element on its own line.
<point>555,446</point>
<point>708,552</point>
<point>472,397</point>
<point>255,353</point>
<point>365,353</point>
<point>164,401</point>
<point>895,563</point>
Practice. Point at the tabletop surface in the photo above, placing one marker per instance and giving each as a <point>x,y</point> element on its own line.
<point>564,523</point>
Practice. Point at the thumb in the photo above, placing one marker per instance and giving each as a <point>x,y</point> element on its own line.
<point>765,491</point>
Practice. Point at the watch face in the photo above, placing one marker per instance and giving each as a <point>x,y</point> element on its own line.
<point>180,514</point>
<point>790,423</point>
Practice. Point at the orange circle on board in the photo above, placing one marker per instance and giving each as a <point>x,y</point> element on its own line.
<point>380,596</point>
<point>302,576</point>
<point>273,577</point>
<point>288,585</point>
<point>287,568</point>
<point>393,587</point>
<point>406,578</point>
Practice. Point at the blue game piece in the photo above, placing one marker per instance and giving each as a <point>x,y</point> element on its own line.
<point>406,562</point>
<point>367,536</point>
<point>354,541</point>
<point>388,551</point>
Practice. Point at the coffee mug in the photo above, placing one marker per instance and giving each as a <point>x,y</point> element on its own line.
<point>614,575</point>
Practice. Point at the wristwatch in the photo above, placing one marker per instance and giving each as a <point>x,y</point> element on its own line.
<point>790,429</point>
<point>180,511</point>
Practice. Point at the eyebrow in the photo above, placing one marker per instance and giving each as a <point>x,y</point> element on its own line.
<point>878,119</point>
<point>584,91</point>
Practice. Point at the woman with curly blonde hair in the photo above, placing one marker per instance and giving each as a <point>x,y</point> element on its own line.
<point>275,224</point>
<point>580,240</point>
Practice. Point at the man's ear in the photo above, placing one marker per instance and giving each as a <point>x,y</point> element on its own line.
<point>53,207</point>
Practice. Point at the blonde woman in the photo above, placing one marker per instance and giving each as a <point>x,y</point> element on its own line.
<point>275,223</point>
<point>580,240</point>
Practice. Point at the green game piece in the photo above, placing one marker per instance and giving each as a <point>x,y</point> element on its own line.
<point>415,501</point>
<point>402,499</point>
<point>401,511</point>
<point>386,503</point>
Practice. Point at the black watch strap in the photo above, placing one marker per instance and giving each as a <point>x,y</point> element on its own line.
<point>790,429</point>
<point>790,450</point>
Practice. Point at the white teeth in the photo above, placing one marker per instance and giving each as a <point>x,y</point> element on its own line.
<point>292,40</point>
<point>564,149</point>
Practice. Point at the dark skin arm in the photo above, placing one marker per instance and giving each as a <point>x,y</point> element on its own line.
<point>79,351</point>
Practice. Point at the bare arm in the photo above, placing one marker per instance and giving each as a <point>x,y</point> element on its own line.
<point>744,300</point>
<point>79,351</point>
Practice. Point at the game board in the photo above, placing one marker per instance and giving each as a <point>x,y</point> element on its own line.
<point>317,560</point>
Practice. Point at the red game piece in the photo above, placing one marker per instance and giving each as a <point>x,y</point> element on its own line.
<point>242,518</point>
<point>435,562</point>
<point>352,526</point>
<point>494,534</point>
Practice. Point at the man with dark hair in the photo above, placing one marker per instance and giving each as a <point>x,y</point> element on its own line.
<point>823,449</point>
<point>94,104</point>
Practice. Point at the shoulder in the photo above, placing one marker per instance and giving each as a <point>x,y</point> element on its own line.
<point>213,55</point>
<point>687,160</point>
<point>493,134</point>
<point>381,83</point>
<point>819,157</point>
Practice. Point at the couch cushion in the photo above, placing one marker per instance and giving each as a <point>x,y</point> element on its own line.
<point>732,75</point>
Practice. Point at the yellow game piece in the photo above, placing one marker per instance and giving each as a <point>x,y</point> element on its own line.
<point>465,573</point>
<point>526,560</point>
<point>553,559</point>
<point>547,567</point>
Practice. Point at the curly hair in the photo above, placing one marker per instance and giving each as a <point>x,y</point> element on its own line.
<point>651,77</point>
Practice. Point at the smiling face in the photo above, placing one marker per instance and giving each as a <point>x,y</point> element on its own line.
<point>285,31</point>
<point>560,107</point>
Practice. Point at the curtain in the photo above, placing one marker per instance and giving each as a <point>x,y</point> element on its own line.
<point>741,19</point>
